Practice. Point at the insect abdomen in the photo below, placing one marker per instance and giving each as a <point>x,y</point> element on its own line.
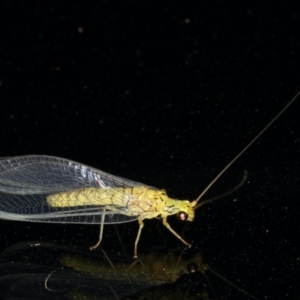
<point>136,199</point>
<point>90,196</point>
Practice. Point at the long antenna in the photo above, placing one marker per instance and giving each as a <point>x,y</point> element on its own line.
<point>246,148</point>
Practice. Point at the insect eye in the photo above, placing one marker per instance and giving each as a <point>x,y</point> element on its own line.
<point>192,267</point>
<point>182,216</point>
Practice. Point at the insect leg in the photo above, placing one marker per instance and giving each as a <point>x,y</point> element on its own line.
<point>101,231</point>
<point>165,223</point>
<point>142,264</point>
<point>138,237</point>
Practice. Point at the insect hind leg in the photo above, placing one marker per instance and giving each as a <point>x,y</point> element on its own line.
<point>101,232</point>
<point>141,225</point>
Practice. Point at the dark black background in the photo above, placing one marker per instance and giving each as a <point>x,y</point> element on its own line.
<point>166,94</point>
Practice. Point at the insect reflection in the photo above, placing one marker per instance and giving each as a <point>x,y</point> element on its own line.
<point>25,265</point>
<point>155,268</point>
<point>171,274</point>
<point>85,275</point>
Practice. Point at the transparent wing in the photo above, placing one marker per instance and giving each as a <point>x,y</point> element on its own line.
<point>26,181</point>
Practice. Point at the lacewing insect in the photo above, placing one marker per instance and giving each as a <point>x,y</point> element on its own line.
<point>41,188</point>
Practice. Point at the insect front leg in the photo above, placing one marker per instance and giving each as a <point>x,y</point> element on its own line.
<point>165,223</point>
<point>141,225</point>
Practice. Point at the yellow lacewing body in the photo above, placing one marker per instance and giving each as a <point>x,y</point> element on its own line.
<point>52,189</point>
<point>41,188</point>
<point>145,202</point>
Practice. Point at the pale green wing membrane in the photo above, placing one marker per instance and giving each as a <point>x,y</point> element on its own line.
<point>26,181</point>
